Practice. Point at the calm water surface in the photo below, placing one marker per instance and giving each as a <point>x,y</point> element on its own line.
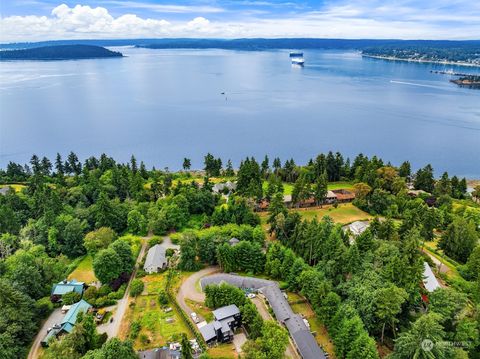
<point>163,105</point>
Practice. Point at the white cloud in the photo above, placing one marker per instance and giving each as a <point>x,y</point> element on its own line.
<point>165,8</point>
<point>355,19</point>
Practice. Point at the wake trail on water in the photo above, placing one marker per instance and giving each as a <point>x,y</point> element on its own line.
<point>416,84</point>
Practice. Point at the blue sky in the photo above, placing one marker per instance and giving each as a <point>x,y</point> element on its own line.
<point>31,20</point>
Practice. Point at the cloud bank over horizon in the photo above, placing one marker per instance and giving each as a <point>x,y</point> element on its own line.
<point>37,20</point>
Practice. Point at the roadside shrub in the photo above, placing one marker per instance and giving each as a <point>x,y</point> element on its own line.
<point>162,297</point>
<point>169,252</point>
<point>140,273</point>
<point>135,330</point>
<point>71,298</point>
<point>44,307</point>
<point>90,294</point>
<point>136,287</point>
<point>154,240</point>
<point>104,302</point>
<point>104,290</point>
<point>144,339</point>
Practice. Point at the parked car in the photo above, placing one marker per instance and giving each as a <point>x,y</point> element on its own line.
<point>251,295</point>
<point>194,317</point>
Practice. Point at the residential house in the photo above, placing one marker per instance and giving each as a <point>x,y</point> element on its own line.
<point>224,187</point>
<point>344,195</point>
<point>303,339</point>
<point>4,190</point>
<point>156,260</point>
<point>226,321</point>
<point>357,228</point>
<point>430,282</point>
<point>64,287</point>
<point>68,322</point>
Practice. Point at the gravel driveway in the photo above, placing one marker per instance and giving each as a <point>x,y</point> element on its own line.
<point>55,318</point>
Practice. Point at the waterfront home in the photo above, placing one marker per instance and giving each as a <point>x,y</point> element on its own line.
<point>68,322</point>
<point>156,260</point>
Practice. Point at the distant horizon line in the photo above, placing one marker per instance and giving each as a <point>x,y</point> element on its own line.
<point>241,38</point>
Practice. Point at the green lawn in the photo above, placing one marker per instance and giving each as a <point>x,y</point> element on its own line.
<point>84,271</point>
<point>223,351</point>
<point>343,214</point>
<point>201,309</point>
<point>288,187</point>
<point>154,323</point>
<point>153,319</point>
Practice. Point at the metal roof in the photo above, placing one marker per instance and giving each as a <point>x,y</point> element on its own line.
<point>301,335</point>
<point>64,287</point>
<point>71,316</point>
<point>208,331</point>
<point>226,312</point>
<point>156,257</point>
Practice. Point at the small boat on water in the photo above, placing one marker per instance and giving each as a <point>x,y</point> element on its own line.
<point>297,58</point>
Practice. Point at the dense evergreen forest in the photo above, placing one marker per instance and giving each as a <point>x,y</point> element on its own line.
<point>367,292</point>
<point>60,52</point>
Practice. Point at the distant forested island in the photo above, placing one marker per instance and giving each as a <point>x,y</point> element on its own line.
<point>453,53</point>
<point>59,52</point>
<point>256,43</point>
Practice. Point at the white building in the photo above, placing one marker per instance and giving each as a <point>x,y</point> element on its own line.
<point>156,259</point>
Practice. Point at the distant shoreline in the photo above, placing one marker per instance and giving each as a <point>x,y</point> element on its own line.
<point>393,58</point>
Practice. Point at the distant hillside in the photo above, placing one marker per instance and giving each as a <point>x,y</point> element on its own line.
<point>252,44</point>
<point>60,52</point>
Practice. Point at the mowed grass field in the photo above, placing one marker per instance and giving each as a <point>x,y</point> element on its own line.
<point>288,187</point>
<point>84,271</point>
<point>343,214</point>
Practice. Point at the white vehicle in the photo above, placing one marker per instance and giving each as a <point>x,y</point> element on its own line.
<point>194,317</point>
<point>251,295</point>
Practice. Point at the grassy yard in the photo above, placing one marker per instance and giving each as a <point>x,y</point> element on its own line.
<point>288,187</point>
<point>321,334</point>
<point>156,330</point>
<point>223,351</point>
<point>201,309</point>
<point>84,271</point>
<point>344,213</point>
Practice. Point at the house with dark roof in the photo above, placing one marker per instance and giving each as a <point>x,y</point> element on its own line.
<point>64,287</point>
<point>68,322</point>
<point>303,339</point>
<point>226,320</point>
<point>156,260</point>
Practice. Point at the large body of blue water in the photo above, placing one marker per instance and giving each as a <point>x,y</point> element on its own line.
<point>164,105</point>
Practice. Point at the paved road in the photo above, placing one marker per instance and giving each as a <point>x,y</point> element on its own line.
<point>54,318</point>
<point>290,352</point>
<point>188,289</point>
<point>112,328</point>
